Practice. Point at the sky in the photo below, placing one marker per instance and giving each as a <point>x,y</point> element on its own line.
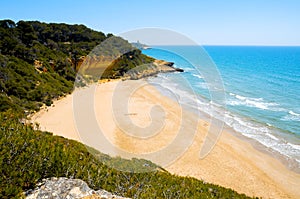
<point>213,22</point>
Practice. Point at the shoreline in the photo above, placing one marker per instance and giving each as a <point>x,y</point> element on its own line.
<point>289,162</point>
<point>233,163</point>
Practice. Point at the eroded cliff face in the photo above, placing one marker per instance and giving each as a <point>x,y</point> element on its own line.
<point>57,188</point>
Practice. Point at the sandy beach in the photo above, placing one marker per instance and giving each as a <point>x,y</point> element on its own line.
<point>136,119</point>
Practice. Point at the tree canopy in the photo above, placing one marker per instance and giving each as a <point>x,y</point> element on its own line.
<point>39,61</point>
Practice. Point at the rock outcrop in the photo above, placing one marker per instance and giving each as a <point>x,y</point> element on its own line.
<point>58,188</point>
<point>152,69</point>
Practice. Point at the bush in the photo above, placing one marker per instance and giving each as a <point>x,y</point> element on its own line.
<point>27,156</point>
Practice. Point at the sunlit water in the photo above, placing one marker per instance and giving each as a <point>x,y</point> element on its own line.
<point>261,86</point>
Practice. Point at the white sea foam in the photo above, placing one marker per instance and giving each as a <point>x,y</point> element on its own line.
<point>240,97</point>
<point>293,113</point>
<point>291,116</point>
<point>263,134</point>
<point>253,102</point>
<point>199,76</point>
<point>272,136</point>
<point>295,146</point>
<point>189,69</point>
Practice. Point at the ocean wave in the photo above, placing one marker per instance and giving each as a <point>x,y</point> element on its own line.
<point>272,136</point>
<point>244,126</point>
<point>189,69</point>
<point>293,113</point>
<point>264,135</point>
<point>295,146</point>
<point>198,76</point>
<point>292,116</point>
<point>253,102</point>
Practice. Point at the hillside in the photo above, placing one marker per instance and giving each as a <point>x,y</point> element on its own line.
<point>28,156</point>
<point>38,63</point>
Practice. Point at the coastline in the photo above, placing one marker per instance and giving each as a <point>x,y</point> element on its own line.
<point>233,163</point>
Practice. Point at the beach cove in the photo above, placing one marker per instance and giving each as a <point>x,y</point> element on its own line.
<point>232,163</point>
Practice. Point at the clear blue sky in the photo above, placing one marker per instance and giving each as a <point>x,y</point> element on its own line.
<point>215,22</point>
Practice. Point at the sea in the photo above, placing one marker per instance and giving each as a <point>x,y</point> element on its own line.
<point>253,90</point>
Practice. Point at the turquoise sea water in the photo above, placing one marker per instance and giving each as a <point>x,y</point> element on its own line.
<point>261,89</point>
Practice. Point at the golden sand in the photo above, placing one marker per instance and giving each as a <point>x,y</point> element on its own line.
<point>233,163</point>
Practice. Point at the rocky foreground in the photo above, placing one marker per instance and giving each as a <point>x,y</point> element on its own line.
<point>58,188</point>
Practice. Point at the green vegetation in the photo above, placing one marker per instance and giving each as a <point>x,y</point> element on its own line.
<point>121,65</point>
<point>38,63</point>
<point>112,59</point>
<point>27,156</point>
<point>22,87</point>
